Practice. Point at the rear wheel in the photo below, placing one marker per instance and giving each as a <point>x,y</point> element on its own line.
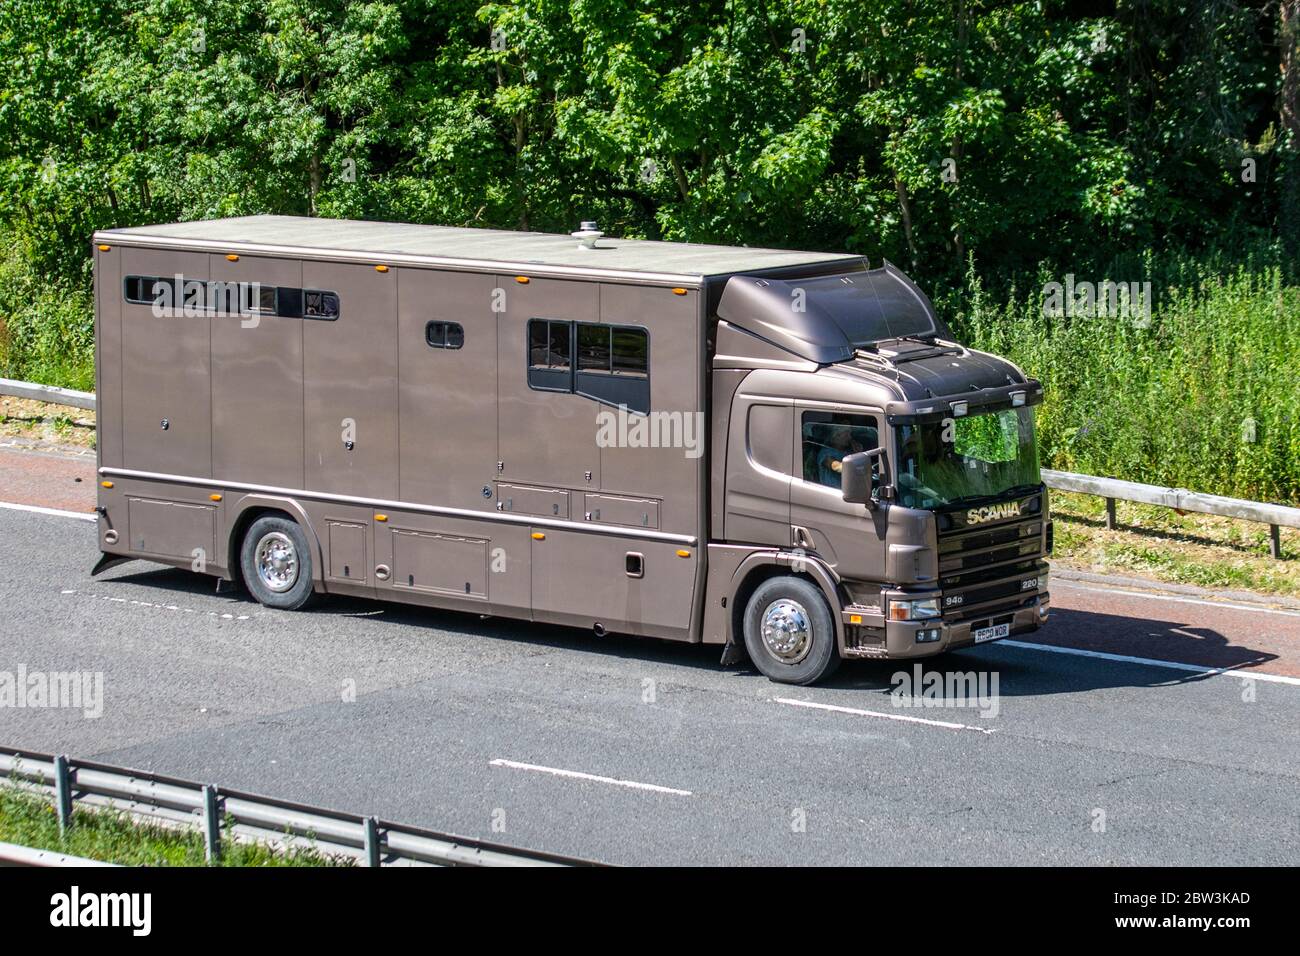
<point>789,632</point>
<point>276,560</point>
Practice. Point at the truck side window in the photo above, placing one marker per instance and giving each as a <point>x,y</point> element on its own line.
<point>550,355</point>
<point>444,335</point>
<point>630,354</point>
<point>828,437</point>
<point>320,305</point>
<point>231,298</point>
<point>593,348</point>
<point>613,361</point>
<point>139,289</point>
<point>614,365</point>
<point>265,302</point>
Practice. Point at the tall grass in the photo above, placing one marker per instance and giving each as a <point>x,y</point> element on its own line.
<point>47,330</point>
<point>1207,396</point>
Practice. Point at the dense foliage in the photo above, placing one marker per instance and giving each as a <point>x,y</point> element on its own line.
<point>1010,141</point>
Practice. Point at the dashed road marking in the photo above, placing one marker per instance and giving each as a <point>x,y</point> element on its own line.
<point>590,777</point>
<point>220,615</point>
<point>905,718</point>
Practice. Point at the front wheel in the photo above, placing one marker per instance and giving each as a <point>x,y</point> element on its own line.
<point>789,632</point>
<point>276,560</point>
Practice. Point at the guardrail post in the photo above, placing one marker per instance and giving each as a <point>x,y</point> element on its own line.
<point>1275,541</point>
<point>63,793</point>
<point>1110,514</point>
<point>372,841</point>
<point>211,824</point>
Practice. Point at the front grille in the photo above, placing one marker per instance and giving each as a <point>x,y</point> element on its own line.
<point>964,551</point>
<point>987,572</point>
<point>997,613</point>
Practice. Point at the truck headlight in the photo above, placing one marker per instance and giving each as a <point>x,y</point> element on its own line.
<point>1042,581</point>
<point>918,609</point>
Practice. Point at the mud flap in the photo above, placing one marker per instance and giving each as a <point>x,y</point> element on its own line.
<point>107,561</point>
<point>733,654</point>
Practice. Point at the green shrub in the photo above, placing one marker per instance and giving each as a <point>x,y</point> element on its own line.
<point>1207,396</point>
<point>47,330</point>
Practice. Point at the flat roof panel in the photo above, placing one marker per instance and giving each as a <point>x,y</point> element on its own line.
<point>377,239</point>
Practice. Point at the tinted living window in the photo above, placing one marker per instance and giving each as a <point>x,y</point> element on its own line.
<point>593,348</point>
<point>227,297</point>
<point>630,353</point>
<point>145,290</point>
<point>444,335</point>
<point>614,365</point>
<point>548,344</point>
<point>550,355</point>
<point>135,289</point>
<point>261,299</point>
<point>320,305</point>
<point>612,361</point>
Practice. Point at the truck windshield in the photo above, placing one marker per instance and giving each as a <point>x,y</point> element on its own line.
<point>961,460</point>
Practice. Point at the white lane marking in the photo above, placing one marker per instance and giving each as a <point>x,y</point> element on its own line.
<point>35,509</point>
<point>946,724</point>
<point>1153,662</point>
<point>1177,599</point>
<point>158,607</point>
<point>578,775</point>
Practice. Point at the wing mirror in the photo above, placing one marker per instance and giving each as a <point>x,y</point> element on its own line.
<point>864,477</point>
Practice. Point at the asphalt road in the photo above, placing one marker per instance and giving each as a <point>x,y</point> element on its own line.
<point>484,728</point>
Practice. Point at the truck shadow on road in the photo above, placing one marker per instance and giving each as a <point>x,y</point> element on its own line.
<point>1021,671</point>
<point>1031,671</point>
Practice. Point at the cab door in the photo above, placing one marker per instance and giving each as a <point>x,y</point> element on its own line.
<point>849,537</point>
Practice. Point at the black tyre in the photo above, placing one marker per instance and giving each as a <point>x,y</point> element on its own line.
<point>275,557</point>
<point>789,632</point>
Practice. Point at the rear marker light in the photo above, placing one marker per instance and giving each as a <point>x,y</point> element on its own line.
<point>232,257</point>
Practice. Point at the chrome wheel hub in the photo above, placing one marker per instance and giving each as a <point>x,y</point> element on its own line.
<point>277,561</point>
<point>786,630</point>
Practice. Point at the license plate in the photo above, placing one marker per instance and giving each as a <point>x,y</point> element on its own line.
<point>992,633</point>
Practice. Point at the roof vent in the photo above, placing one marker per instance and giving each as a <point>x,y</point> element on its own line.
<point>587,234</point>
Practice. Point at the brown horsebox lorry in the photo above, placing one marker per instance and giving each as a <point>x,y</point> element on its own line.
<point>775,449</point>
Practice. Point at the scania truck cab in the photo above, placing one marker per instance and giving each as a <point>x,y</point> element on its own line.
<point>864,439</point>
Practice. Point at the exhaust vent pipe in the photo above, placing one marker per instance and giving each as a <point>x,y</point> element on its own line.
<point>587,234</point>
<point>599,629</point>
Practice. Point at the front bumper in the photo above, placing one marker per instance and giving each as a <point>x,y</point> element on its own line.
<point>868,635</point>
